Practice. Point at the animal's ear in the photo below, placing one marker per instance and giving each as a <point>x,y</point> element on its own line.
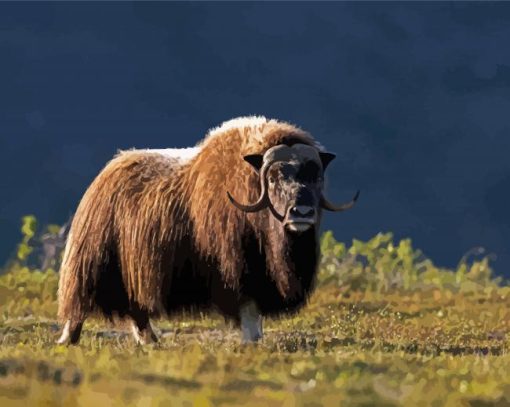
<point>326,158</point>
<point>255,160</point>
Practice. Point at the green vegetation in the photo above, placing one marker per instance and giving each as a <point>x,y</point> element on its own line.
<point>384,327</point>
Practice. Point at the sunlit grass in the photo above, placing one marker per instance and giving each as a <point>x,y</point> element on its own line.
<point>384,327</point>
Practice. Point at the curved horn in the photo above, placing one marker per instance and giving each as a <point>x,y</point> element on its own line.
<point>263,200</point>
<point>274,212</point>
<point>338,208</point>
<point>257,206</point>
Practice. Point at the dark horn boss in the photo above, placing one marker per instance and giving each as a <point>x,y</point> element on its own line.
<point>229,225</point>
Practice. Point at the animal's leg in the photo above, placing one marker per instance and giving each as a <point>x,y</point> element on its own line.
<point>71,332</point>
<point>141,327</point>
<point>251,322</point>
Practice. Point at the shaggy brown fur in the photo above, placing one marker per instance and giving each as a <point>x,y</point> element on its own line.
<point>149,226</point>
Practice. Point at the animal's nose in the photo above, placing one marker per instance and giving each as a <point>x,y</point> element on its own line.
<point>302,211</point>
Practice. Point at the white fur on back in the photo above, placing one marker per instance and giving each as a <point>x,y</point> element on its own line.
<point>185,154</point>
<point>237,123</point>
<point>181,154</point>
<point>246,122</point>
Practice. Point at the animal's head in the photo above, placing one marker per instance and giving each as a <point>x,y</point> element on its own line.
<point>291,185</point>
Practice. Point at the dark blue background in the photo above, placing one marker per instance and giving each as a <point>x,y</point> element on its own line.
<point>414,98</point>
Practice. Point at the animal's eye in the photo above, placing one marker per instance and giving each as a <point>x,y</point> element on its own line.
<point>271,180</point>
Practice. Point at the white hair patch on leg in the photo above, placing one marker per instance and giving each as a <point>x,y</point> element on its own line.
<point>139,339</point>
<point>251,322</point>
<point>65,333</point>
<point>145,336</point>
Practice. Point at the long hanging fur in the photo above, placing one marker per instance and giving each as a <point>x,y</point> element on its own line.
<point>147,215</point>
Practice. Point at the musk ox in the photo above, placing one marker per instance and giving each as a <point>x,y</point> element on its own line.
<point>231,225</point>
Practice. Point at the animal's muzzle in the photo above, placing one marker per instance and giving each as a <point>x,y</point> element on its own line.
<point>302,211</point>
<point>300,218</point>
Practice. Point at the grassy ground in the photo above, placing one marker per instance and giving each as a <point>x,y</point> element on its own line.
<point>384,327</point>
